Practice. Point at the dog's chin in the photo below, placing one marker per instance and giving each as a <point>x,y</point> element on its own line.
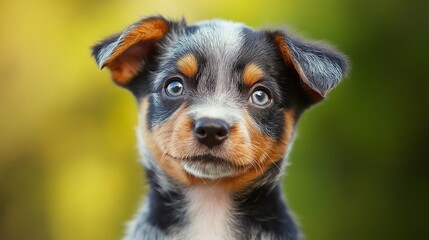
<point>210,167</point>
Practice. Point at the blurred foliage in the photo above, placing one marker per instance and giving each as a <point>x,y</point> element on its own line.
<point>68,166</point>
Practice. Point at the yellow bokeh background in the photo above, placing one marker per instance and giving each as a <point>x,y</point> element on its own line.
<point>68,161</point>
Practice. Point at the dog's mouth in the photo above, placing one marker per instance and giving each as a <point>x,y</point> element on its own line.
<point>210,167</point>
<point>207,158</point>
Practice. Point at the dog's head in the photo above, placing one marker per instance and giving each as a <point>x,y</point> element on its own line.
<point>217,100</point>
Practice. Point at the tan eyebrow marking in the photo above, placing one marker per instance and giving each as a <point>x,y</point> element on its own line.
<point>252,73</point>
<point>188,65</point>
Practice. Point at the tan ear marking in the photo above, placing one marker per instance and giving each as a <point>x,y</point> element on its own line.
<point>153,29</point>
<point>286,53</point>
<point>123,71</point>
<point>188,65</point>
<point>289,61</point>
<point>252,73</point>
<point>126,59</point>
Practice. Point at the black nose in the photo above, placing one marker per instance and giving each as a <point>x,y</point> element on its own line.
<point>211,132</point>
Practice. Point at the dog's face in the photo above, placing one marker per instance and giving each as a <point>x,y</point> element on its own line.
<point>217,100</point>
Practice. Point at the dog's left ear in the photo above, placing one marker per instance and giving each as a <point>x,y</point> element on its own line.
<point>126,54</point>
<point>319,67</point>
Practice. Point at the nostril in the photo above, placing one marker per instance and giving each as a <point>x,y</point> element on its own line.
<point>223,132</point>
<point>200,132</point>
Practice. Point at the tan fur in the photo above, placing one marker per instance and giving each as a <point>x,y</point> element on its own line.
<point>252,73</point>
<point>148,30</point>
<point>158,146</point>
<point>188,65</point>
<point>173,140</point>
<point>264,150</point>
<point>125,62</point>
<point>124,70</point>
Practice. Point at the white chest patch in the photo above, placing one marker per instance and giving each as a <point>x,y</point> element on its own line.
<point>209,211</point>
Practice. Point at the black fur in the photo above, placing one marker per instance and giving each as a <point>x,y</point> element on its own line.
<point>164,206</point>
<point>266,209</point>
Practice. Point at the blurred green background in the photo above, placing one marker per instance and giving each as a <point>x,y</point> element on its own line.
<point>68,162</point>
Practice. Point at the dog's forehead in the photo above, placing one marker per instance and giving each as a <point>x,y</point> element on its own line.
<point>219,48</point>
<point>218,40</point>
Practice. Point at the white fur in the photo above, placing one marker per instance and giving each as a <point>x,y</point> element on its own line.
<point>209,211</point>
<point>208,170</point>
<point>213,108</point>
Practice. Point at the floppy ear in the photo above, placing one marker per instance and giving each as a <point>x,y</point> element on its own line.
<point>319,67</point>
<point>126,53</point>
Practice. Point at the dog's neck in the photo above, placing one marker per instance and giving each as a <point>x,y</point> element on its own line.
<point>207,211</point>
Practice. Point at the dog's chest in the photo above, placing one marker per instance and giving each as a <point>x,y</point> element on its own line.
<point>209,211</point>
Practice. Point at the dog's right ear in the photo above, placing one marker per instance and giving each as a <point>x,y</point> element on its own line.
<point>126,54</point>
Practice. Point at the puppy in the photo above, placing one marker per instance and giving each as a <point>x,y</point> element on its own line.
<point>218,106</point>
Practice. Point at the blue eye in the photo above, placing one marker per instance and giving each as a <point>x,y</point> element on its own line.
<point>175,88</point>
<point>260,98</point>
